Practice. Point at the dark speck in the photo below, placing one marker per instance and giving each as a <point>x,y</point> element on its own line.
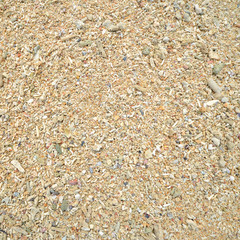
<point>82,143</point>
<point>125,183</point>
<point>125,59</point>
<point>146,215</point>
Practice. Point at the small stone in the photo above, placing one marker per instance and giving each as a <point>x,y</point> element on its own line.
<point>90,17</point>
<point>187,17</point>
<point>217,68</point>
<point>58,149</point>
<point>64,205</point>
<point>213,55</point>
<point>175,192</point>
<point>152,64</point>
<point>148,154</point>
<point>166,39</point>
<point>210,147</point>
<point>178,16</point>
<point>43,97</point>
<point>77,196</point>
<point>185,111</point>
<point>237,110</point>
<point>36,49</point>
<point>221,162</point>
<point>73,182</point>
<point>191,223</point>
<point>146,51</point>
<point>224,100</point>
<point>140,88</point>
<point>14,19</point>
<point>231,178</point>
<point>3,111</point>
<point>203,47</point>
<point>114,28</point>
<point>216,141</point>
<point>158,231</point>
<point>161,52</point>
<point>97,148</point>
<point>80,25</point>
<point>107,23</point>
<point>214,86</point>
<point>185,85</point>
<point>218,96</point>
<point>198,10</point>
<point>230,146</point>
<point>1,80</point>
<point>85,43</point>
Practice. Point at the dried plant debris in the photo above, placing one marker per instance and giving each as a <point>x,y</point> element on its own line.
<point>119,119</point>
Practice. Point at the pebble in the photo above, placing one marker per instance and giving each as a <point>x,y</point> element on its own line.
<point>3,111</point>
<point>58,149</point>
<point>114,28</point>
<point>213,55</point>
<point>77,196</point>
<point>1,80</point>
<point>210,147</point>
<point>73,182</point>
<point>198,10</point>
<point>224,100</point>
<point>237,110</point>
<point>85,43</point>
<point>97,148</point>
<point>152,64</point>
<point>216,141</point>
<point>175,192</point>
<point>146,51</point>
<point>217,68</point>
<point>187,17</point>
<point>185,111</point>
<point>214,86</point>
<point>231,178</point>
<point>64,205</point>
<point>80,25</point>
<point>161,52</point>
<point>16,194</point>
<point>90,17</point>
<point>166,39</point>
<point>158,231</point>
<point>230,146</point>
<point>148,154</point>
<point>140,88</point>
<point>178,16</point>
<point>107,23</point>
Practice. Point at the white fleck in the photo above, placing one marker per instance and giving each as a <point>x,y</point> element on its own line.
<point>17,165</point>
<point>231,178</point>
